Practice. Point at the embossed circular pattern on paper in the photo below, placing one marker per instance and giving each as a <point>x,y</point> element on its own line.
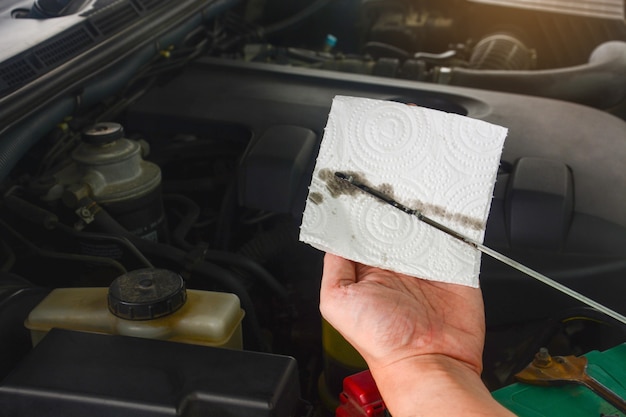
<point>389,137</point>
<point>390,233</point>
<point>472,144</point>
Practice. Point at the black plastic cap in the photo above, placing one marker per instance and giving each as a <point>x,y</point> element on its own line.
<point>146,294</point>
<point>104,132</point>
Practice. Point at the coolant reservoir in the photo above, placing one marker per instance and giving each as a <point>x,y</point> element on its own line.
<point>149,303</point>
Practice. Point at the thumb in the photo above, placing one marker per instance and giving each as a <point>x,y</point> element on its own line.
<point>338,272</point>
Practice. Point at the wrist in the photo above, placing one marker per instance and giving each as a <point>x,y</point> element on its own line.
<point>434,384</point>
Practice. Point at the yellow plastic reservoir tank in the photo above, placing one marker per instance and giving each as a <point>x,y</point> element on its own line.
<point>149,303</point>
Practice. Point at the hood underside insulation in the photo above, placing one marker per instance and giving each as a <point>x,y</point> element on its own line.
<point>603,9</point>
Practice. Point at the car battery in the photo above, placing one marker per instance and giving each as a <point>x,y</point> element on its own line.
<point>608,368</point>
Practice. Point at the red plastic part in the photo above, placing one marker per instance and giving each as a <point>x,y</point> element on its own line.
<point>360,397</point>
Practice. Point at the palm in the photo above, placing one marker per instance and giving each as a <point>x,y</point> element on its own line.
<point>389,316</point>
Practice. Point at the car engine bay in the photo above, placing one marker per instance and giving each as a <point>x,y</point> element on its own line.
<point>138,135</point>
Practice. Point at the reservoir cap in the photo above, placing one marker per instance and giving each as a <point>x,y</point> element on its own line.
<point>146,294</point>
<point>103,133</point>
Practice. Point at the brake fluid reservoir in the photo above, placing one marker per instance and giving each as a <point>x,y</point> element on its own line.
<point>148,303</point>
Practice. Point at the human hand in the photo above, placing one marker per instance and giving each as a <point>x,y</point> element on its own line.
<point>389,317</point>
<point>422,340</point>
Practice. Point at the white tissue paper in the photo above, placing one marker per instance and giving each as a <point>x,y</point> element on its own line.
<point>441,163</point>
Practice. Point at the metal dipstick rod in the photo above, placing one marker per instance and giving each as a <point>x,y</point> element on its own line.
<point>484,249</point>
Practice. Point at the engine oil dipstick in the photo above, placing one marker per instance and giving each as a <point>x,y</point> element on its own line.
<point>549,370</point>
<point>484,249</point>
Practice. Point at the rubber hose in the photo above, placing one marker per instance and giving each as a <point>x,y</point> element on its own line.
<point>31,212</point>
<point>44,253</point>
<point>193,185</point>
<point>50,221</point>
<point>226,219</point>
<point>239,261</point>
<point>181,230</point>
<point>221,257</point>
<point>120,240</point>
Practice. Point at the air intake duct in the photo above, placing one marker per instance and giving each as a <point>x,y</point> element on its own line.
<point>501,51</point>
<point>599,83</point>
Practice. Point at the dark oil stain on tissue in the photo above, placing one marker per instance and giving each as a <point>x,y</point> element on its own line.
<point>433,210</point>
<point>337,187</point>
<point>316,198</point>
